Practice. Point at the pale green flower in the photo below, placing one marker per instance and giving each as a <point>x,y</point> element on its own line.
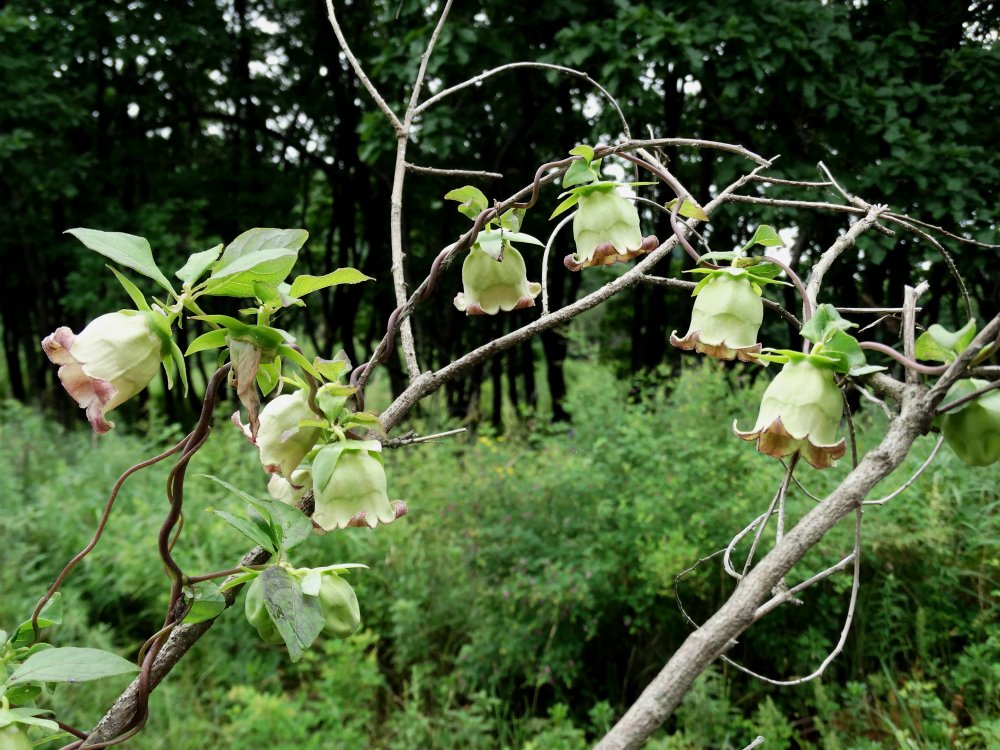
<point>725,320</point>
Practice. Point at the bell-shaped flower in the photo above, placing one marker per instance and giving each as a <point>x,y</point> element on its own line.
<point>726,318</point>
<point>350,488</point>
<point>282,442</point>
<point>606,230</point>
<point>973,430</point>
<point>491,285</point>
<point>111,360</point>
<point>800,413</point>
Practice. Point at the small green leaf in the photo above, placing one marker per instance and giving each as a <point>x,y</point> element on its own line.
<point>688,208</point>
<point>261,535</point>
<point>211,340</point>
<point>305,284</point>
<point>267,294</point>
<point>297,617</point>
<point>857,372</point>
<point>584,151</point>
<point>512,219</point>
<point>472,201</point>
<point>289,353</point>
<point>824,321</point>
<point>714,256</point>
<point>26,715</point>
<point>331,369</point>
<point>207,602</point>
<point>127,250</point>
<point>844,348</point>
<point>238,580</point>
<point>580,172</point>
<point>20,694</point>
<point>938,344</point>
<point>491,243</point>
<point>289,527</point>
<point>50,615</point>
<point>765,236</point>
<point>197,264</point>
<point>364,419</point>
<point>762,270</point>
<point>71,664</point>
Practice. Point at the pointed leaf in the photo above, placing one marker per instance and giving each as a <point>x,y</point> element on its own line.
<point>512,219</point>
<point>210,340</point>
<point>269,266</point>
<point>472,201</point>
<point>131,290</point>
<point>208,602</point>
<point>255,240</point>
<point>197,264</point>
<point>297,617</point>
<point>305,284</point>
<point>765,236</point>
<point>565,205</point>
<point>824,321</point>
<point>579,173</point>
<point>688,208</point>
<point>50,615</point>
<point>583,150</point>
<point>127,250</point>
<point>260,535</point>
<point>70,664</point>
<point>938,344</point>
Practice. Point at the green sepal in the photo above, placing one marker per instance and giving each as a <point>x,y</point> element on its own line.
<point>175,357</point>
<point>131,290</point>
<point>268,376</point>
<point>782,356</point>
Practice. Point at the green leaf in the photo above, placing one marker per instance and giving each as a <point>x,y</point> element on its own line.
<point>714,256</point>
<point>176,356</point>
<point>207,602</point>
<point>305,284</point>
<point>938,344</point>
<point>289,353</point>
<point>472,201</point>
<point>269,266</point>
<point>565,205</point>
<point>210,340</point>
<point>823,323</point>
<point>197,264</point>
<point>297,617</point>
<point>584,151</point>
<point>364,419</point>
<point>50,615</point>
<point>131,290</point>
<point>70,664</point>
<point>125,249</point>
<point>762,270</point>
<point>254,240</point>
<point>580,172</point>
<point>20,694</point>
<point>331,369</point>
<point>238,580</point>
<point>689,209</point>
<point>844,348</point>
<point>765,236</point>
<point>26,715</point>
<point>289,527</point>
<point>857,372</point>
<point>261,535</point>
<point>512,219</point>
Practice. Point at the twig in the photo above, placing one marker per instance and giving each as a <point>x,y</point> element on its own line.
<point>871,398</point>
<point>910,295</point>
<point>842,243</point>
<point>756,743</point>
<point>535,65</point>
<point>415,439</point>
<point>968,397</point>
<point>849,197</point>
<point>545,261</point>
<point>470,173</point>
<point>909,482</point>
<point>360,72</point>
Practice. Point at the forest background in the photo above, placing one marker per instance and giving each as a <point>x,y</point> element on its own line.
<point>531,621</point>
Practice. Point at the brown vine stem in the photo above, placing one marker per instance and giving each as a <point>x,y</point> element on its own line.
<point>908,363</point>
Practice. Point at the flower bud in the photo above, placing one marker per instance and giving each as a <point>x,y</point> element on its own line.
<point>291,490</point>
<point>725,320</point>
<point>349,486</point>
<point>606,230</point>
<point>339,603</point>
<point>800,413</point>
<point>493,285</point>
<point>973,430</point>
<point>283,444</point>
<point>111,360</point>
<point>257,614</point>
